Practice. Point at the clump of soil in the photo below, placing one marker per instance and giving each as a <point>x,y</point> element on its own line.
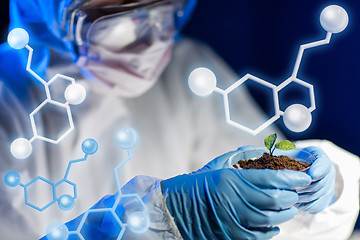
<point>272,162</point>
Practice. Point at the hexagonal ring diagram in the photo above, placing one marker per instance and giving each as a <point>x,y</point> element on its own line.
<point>227,107</point>
<point>37,111</point>
<point>81,231</point>
<point>64,191</point>
<point>301,83</point>
<point>202,81</point>
<point>74,94</point>
<point>29,202</point>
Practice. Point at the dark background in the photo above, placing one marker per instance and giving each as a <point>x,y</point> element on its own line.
<point>262,37</point>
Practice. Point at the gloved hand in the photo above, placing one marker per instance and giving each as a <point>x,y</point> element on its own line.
<point>319,194</point>
<point>313,198</point>
<point>225,203</point>
<point>222,161</point>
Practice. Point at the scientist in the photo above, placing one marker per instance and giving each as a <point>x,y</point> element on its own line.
<point>135,73</point>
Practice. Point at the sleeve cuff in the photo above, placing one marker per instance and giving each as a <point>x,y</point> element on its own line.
<point>162,224</point>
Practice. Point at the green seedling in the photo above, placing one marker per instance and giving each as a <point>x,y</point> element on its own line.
<point>283,145</point>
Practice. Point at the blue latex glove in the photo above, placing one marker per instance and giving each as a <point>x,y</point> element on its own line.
<point>313,198</point>
<point>317,196</point>
<point>222,161</point>
<point>225,203</point>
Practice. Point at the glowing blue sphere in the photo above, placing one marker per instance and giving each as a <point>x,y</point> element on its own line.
<point>138,222</point>
<point>18,38</point>
<point>12,179</point>
<point>57,231</point>
<point>334,19</point>
<point>297,118</point>
<point>202,81</point>
<point>126,138</point>
<point>89,146</point>
<point>66,202</point>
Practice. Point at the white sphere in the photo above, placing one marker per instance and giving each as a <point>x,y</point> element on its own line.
<point>334,19</point>
<point>138,222</point>
<point>202,81</point>
<point>18,38</point>
<point>297,118</point>
<point>75,93</point>
<point>21,148</point>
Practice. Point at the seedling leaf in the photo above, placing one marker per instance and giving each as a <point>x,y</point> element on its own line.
<point>269,141</point>
<point>285,145</point>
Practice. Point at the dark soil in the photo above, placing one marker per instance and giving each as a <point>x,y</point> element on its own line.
<point>272,162</point>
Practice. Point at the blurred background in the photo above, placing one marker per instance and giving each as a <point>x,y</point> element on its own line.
<point>262,37</point>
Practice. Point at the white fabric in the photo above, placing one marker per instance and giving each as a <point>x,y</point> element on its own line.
<point>178,132</point>
<point>162,225</point>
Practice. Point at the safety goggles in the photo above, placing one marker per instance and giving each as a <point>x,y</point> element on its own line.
<point>129,23</point>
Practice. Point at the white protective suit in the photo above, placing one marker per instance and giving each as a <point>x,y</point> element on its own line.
<point>178,133</point>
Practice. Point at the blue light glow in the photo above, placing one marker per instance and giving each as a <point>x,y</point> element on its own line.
<point>12,179</point>
<point>127,138</point>
<point>66,202</point>
<point>138,222</point>
<point>57,231</point>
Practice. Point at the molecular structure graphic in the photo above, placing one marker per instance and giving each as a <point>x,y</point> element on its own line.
<point>65,202</point>
<point>296,117</point>
<point>137,222</point>
<point>74,94</point>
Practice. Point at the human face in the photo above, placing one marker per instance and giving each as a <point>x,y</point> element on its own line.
<point>145,16</point>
